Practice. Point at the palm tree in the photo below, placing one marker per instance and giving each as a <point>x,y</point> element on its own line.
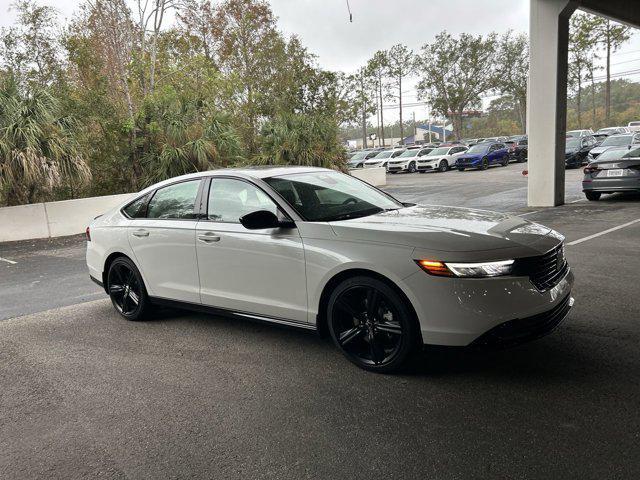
<point>185,135</point>
<point>38,147</point>
<point>301,140</point>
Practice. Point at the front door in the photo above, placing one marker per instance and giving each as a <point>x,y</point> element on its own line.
<point>252,271</point>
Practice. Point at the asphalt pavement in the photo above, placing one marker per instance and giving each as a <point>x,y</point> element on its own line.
<point>86,394</point>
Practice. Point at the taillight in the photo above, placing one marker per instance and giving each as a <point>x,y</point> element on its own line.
<point>87,232</point>
<point>591,168</point>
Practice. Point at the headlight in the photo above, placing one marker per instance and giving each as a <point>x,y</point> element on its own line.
<point>467,270</point>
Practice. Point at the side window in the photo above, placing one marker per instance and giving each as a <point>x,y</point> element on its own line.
<point>137,208</point>
<point>230,199</point>
<point>175,201</point>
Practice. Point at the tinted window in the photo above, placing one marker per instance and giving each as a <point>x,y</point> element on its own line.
<point>617,141</point>
<point>174,201</point>
<point>137,208</point>
<point>478,148</point>
<point>327,196</point>
<point>230,199</point>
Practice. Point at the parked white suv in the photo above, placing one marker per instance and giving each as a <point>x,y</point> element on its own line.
<point>381,159</point>
<point>317,249</point>
<point>408,161</point>
<point>440,159</point>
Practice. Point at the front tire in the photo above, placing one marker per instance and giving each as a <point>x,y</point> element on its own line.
<point>461,169</point>
<point>126,289</point>
<point>485,164</point>
<point>371,324</point>
<point>444,166</point>
<point>412,167</point>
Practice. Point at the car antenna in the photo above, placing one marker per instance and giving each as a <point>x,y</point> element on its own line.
<point>350,14</point>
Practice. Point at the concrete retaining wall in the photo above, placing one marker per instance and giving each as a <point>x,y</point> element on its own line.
<point>53,219</point>
<point>375,176</point>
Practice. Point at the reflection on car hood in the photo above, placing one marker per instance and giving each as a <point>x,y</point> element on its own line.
<point>449,229</point>
<point>598,150</point>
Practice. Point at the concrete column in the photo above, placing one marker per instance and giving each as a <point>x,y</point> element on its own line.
<point>547,99</point>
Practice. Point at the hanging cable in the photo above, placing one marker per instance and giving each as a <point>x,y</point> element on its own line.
<point>349,10</point>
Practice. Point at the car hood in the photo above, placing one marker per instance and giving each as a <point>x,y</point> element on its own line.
<point>450,229</point>
<point>598,150</point>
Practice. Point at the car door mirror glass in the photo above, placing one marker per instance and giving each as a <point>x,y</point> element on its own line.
<point>262,219</point>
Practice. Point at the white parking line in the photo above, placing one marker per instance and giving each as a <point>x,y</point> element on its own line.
<point>7,260</point>
<point>604,232</point>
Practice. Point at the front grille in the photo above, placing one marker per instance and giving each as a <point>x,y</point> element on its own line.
<point>545,271</point>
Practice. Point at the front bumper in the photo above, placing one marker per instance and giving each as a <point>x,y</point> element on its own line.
<point>458,311</point>
<point>522,330</point>
<point>467,163</point>
<point>398,167</point>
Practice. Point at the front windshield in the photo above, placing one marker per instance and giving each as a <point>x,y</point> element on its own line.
<point>409,153</point>
<point>331,196</point>
<point>573,143</point>
<point>359,156</point>
<point>612,154</point>
<point>439,151</point>
<point>386,154</point>
<point>479,148</point>
<point>616,141</point>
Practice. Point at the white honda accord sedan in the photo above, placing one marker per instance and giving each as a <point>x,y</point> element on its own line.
<point>317,249</point>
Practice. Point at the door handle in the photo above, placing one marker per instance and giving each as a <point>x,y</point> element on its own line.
<point>209,237</point>
<point>140,233</point>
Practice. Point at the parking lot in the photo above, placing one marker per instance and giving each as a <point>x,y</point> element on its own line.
<point>85,393</point>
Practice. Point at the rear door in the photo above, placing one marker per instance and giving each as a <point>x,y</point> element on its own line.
<point>163,242</point>
<point>252,271</point>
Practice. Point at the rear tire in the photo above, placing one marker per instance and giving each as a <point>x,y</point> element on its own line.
<point>505,161</point>
<point>371,324</point>
<point>126,289</point>
<point>593,196</point>
<point>522,157</point>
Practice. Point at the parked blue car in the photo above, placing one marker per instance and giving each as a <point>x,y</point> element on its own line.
<point>483,155</point>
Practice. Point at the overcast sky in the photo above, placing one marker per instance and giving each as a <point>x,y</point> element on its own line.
<point>324,27</point>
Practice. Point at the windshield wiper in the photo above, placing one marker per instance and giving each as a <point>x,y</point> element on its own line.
<point>356,214</point>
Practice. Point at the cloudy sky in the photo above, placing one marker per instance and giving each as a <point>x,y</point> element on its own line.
<point>324,27</point>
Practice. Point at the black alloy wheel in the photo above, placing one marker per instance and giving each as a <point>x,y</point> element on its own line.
<point>485,164</point>
<point>412,167</point>
<point>371,324</point>
<point>444,166</point>
<point>126,289</point>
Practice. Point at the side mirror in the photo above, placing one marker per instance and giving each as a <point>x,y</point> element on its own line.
<point>263,219</point>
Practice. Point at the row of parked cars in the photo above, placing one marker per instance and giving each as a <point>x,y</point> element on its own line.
<point>474,153</point>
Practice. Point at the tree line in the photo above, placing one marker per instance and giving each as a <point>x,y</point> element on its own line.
<point>117,98</point>
<point>453,75</point>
